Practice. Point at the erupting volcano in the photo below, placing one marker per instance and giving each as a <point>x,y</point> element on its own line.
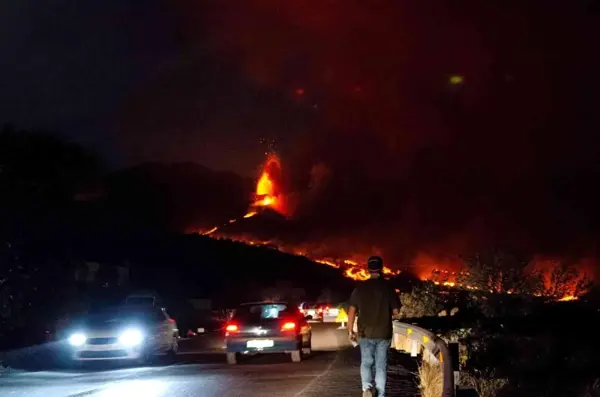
<point>272,225</point>
<point>269,197</point>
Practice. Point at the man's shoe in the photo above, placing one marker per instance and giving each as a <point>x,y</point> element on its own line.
<point>368,393</point>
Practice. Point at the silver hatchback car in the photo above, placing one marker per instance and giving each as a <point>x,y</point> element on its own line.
<point>123,334</point>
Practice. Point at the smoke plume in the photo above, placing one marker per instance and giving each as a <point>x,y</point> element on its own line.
<point>434,129</point>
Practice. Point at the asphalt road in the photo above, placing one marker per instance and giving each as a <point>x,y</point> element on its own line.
<point>40,373</point>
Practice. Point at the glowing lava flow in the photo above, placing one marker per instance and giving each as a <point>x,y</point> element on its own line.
<point>268,194</point>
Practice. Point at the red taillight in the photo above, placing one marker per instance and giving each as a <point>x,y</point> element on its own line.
<point>232,328</point>
<point>320,310</point>
<point>289,326</point>
<point>171,320</point>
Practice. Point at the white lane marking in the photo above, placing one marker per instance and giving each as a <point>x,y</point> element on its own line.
<point>325,372</point>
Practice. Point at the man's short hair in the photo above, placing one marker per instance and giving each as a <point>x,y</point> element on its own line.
<point>375,264</point>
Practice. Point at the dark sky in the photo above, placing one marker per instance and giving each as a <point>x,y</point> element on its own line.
<point>67,66</point>
<point>360,91</point>
<point>204,81</point>
<point>86,69</point>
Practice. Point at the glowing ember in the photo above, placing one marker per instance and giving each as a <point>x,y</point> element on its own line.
<point>568,298</point>
<point>327,262</point>
<point>357,273</point>
<point>211,231</point>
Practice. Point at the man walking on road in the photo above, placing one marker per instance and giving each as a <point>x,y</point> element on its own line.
<point>376,302</point>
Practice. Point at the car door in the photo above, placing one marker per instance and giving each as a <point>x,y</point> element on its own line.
<point>159,329</point>
<point>166,330</point>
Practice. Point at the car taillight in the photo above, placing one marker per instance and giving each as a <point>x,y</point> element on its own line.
<point>289,326</point>
<point>172,320</point>
<point>232,328</point>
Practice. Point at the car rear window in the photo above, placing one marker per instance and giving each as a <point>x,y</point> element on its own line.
<point>265,311</point>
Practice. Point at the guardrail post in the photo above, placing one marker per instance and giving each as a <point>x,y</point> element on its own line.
<point>455,353</point>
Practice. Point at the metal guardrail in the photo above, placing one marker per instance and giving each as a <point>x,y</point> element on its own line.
<point>436,346</point>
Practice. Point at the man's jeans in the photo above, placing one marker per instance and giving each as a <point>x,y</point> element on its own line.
<point>374,351</point>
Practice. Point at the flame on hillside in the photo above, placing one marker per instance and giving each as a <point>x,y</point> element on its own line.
<point>446,272</point>
<point>561,283</point>
<point>268,192</point>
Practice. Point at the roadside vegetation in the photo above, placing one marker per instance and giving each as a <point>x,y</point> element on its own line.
<point>525,343</point>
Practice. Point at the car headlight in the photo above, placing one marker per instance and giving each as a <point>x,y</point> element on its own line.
<point>131,337</point>
<point>77,339</point>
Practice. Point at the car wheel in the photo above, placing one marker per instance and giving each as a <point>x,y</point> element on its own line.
<point>174,347</point>
<point>172,352</point>
<point>144,359</point>
<point>297,356</point>
<point>232,358</point>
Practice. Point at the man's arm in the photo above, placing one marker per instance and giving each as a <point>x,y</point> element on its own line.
<point>354,302</point>
<point>351,318</point>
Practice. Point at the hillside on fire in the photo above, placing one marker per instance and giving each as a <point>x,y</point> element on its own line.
<point>262,210</point>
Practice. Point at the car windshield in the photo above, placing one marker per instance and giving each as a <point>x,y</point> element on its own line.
<point>264,311</point>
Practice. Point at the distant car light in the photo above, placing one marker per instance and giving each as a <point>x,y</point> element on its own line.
<point>131,337</point>
<point>77,339</point>
<point>232,328</point>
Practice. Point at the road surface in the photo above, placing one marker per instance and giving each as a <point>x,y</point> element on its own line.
<point>330,373</point>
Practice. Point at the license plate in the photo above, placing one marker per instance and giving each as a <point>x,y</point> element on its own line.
<point>260,343</point>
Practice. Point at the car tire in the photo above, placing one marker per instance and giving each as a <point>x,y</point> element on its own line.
<point>232,358</point>
<point>307,348</point>
<point>296,356</point>
<point>172,352</point>
<point>174,347</point>
<point>144,358</point>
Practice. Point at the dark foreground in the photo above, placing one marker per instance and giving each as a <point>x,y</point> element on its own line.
<point>324,373</point>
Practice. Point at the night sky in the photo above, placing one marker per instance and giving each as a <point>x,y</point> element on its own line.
<point>123,79</point>
<point>205,81</point>
<point>444,119</point>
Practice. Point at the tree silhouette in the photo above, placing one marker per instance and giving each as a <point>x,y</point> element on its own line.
<point>39,176</point>
<point>566,280</point>
<point>498,272</point>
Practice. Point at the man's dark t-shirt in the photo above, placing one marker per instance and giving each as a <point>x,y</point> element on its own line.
<point>375,299</point>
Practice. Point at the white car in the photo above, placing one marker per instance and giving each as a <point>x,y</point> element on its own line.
<point>330,314</point>
<point>124,334</point>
